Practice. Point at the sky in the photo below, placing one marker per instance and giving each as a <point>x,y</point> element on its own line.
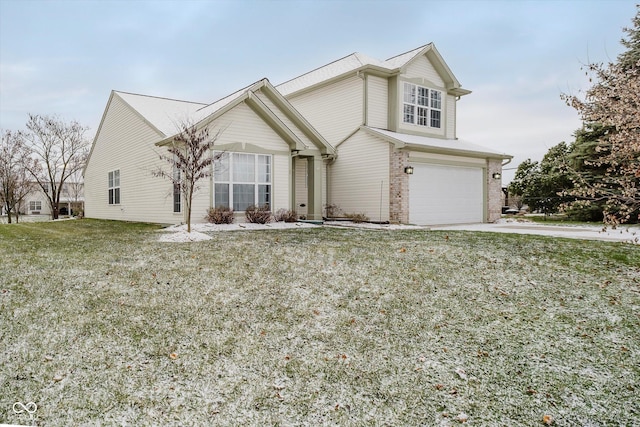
<point>63,58</point>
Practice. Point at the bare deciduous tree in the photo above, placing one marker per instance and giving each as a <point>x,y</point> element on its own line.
<point>60,150</point>
<point>190,155</point>
<point>14,179</point>
<point>613,103</point>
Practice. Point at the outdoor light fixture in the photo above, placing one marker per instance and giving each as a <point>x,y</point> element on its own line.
<point>497,175</point>
<point>408,170</point>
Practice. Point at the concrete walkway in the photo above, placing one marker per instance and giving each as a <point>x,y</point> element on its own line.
<point>627,234</point>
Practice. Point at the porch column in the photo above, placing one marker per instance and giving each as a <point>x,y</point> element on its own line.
<point>314,188</point>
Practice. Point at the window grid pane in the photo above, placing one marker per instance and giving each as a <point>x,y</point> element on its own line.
<point>408,113</point>
<point>243,167</point>
<point>409,93</point>
<point>435,119</point>
<point>221,195</point>
<point>264,195</point>
<point>221,167</point>
<point>243,196</point>
<point>436,99</point>
<point>423,115</point>
<point>423,96</point>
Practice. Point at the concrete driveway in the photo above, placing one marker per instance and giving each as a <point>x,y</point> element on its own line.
<point>627,234</point>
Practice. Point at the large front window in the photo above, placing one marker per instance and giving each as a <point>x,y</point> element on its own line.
<point>242,180</point>
<point>114,187</point>
<point>422,106</point>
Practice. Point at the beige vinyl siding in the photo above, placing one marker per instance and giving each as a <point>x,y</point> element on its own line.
<point>334,110</point>
<point>377,98</point>
<point>288,123</point>
<point>126,143</point>
<point>241,126</point>
<point>422,68</point>
<point>360,177</point>
<point>449,113</point>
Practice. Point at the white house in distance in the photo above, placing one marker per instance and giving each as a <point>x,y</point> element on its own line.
<point>369,136</point>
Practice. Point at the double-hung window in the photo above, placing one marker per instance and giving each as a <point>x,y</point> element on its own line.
<point>422,106</point>
<point>242,180</point>
<point>114,187</point>
<point>35,205</point>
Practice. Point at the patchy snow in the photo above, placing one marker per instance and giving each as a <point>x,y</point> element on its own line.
<point>178,233</point>
<point>371,226</point>
<point>626,234</point>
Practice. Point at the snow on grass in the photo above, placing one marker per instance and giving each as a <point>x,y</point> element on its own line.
<point>316,326</point>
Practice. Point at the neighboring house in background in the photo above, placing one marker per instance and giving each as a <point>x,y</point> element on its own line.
<point>71,200</point>
<point>345,134</point>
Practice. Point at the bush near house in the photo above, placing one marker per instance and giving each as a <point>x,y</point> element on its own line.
<point>286,215</point>
<point>259,214</point>
<point>220,215</point>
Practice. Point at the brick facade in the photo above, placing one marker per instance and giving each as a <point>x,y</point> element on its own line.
<point>494,190</point>
<point>398,186</point>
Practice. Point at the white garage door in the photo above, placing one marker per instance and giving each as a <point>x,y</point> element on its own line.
<point>445,195</point>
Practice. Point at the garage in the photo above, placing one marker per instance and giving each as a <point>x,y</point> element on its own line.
<point>443,194</point>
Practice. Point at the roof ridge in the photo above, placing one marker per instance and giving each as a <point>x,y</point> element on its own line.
<point>320,67</point>
<point>236,93</point>
<point>410,50</point>
<point>158,97</point>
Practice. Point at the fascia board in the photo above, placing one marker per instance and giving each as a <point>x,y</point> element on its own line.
<point>270,118</point>
<point>298,119</point>
<point>401,145</point>
<point>95,137</point>
<point>457,152</point>
<point>396,142</point>
<point>137,113</point>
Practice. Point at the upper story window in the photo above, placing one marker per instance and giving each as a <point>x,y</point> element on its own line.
<point>114,187</point>
<point>242,180</point>
<point>422,106</point>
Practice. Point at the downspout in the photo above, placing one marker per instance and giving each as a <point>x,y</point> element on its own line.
<point>364,96</point>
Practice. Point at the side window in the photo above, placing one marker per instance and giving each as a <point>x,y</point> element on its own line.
<point>114,187</point>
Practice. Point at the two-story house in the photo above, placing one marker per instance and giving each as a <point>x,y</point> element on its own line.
<point>373,137</point>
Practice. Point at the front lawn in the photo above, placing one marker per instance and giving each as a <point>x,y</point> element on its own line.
<point>102,324</point>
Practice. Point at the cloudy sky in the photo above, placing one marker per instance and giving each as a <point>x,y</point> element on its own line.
<point>64,57</point>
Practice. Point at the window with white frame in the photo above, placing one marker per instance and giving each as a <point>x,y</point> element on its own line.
<point>114,187</point>
<point>242,180</point>
<point>422,106</point>
<point>177,191</point>
<point>35,205</point>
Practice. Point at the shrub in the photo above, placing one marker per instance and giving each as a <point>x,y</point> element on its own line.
<point>332,211</point>
<point>220,215</point>
<point>258,214</point>
<point>357,217</point>
<point>286,215</point>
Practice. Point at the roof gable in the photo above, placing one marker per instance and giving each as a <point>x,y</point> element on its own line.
<point>358,61</point>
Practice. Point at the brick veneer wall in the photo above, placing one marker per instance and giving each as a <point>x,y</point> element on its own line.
<point>398,186</point>
<point>494,190</point>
